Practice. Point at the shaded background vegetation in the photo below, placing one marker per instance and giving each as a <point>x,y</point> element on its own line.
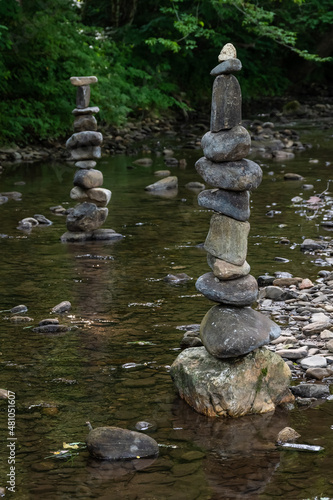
<point>150,56</point>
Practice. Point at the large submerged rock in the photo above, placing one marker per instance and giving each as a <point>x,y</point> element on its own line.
<point>114,443</point>
<point>251,384</point>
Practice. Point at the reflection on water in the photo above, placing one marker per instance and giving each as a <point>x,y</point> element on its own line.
<point>112,367</point>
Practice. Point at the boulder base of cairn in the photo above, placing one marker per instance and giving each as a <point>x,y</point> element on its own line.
<point>237,292</point>
<point>240,175</point>
<point>233,144</point>
<point>251,384</point>
<point>227,239</point>
<point>114,443</point>
<point>231,203</point>
<point>86,217</point>
<point>231,331</point>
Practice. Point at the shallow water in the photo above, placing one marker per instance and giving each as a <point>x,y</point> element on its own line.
<point>112,368</point>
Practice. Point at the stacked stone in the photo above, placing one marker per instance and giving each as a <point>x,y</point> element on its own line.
<point>231,374</point>
<point>227,330</point>
<point>84,220</point>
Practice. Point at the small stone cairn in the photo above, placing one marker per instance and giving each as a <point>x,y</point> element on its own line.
<point>232,332</point>
<point>84,220</point>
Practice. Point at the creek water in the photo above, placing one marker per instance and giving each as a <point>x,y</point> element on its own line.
<point>112,367</point>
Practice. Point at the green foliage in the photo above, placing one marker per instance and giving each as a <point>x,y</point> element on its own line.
<point>149,56</point>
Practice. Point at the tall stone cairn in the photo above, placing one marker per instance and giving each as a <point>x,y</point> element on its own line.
<point>85,219</point>
<point>231,330</point>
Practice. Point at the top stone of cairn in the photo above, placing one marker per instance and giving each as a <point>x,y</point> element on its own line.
<point>227,52</point>
<point>78,81</point>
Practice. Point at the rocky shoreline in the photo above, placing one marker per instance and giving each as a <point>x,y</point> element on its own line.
<point>270,135</point>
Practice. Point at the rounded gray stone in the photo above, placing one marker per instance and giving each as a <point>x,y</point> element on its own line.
<point>228,332</point>
<point>231,203</point>
<point>85,122</point>
<point>86,153</point>
<point>233,175</point>
<point>87,179</point>
<point>114,443</point>
<point>84,139</point>
<point>229,66</point>
<point>86,217</point>
<point>226,145</point>
<point>238,292</point>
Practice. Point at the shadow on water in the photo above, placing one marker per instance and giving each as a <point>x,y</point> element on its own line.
<point>112,367</point>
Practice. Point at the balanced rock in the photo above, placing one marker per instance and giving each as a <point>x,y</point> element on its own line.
<point>86,217</point>
<point>85,122</point>
<point>240,175</point>
<point>226,67</point>
<point>226,110</point>
<point>226,271</point>
<point>88,179</point>
<point>238,292</point>
<point>83,96</point>
<point>231,203</point>
<point>100,196</point>
<point>251,384</point>
<point>86,153</point>
<point>114,443</point>
<point>77,81</point>
<point>85,164</point>
<point>78,194</point>
<point>228,51</point>
<point>84,139</point>
<point>226,145</point>
<point>92,110</point>
<point>227,239</point>
<point>228,332</point>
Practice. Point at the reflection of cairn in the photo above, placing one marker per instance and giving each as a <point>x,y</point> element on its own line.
<point>254,383</point>
<point>84,220</point>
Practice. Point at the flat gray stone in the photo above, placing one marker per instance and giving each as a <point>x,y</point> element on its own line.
<point>82,96</point>
<point>86,217</point>
<point>229,66</point>
<point>92,110</point>
<point>96,235</point>
<point>251,384</point>
<point>86,153</point>
<point>87,179</point>
<point>299,353</point>
<point>238,292</point>
<point>85,122</point>
<point>226,110</point>
<point>77,81</point>
<point>84,139</point>
<point>314,362</point>
<point>227,145</point>
<point>240,175</point>
<point>170,182</point>
<point>227,239</point>
<point>226,271</point>
<point>85,164</point>
<point>231,203</point>
<point>114,443</point>
<point>310,390</point>
<point>228,332</point>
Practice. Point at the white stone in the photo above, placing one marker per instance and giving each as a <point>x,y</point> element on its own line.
<point>78,81</point>
<point>314,362</point>
<point>227,52</point>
